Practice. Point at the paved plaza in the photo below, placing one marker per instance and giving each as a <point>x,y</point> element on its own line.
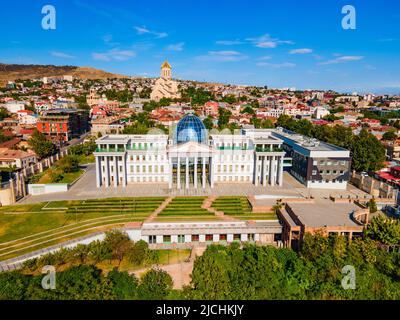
<point>85,188</point>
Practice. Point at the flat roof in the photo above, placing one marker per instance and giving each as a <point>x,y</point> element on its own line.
<point>324,212</point>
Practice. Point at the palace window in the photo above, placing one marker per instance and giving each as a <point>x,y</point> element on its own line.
<point>209,237</point>
<point>195,238</point>
<point>167,239</point>
<point>223,237</point>
<point>181,238</point>
<point>236,237</point>
<point>152,239</point>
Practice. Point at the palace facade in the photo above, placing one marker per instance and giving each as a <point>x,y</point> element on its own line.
<point>192,157</point>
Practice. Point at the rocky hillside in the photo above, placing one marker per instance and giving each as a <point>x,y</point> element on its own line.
<point>10,72</point>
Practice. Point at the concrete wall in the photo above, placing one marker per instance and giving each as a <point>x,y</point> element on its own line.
<point>6,197</point>
<point>37,189</point>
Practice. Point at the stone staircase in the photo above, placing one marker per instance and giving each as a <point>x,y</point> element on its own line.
<point>159,209</point>
<point>207,204</point>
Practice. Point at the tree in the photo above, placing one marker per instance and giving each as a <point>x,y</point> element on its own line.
<point>368,154</point>
<point>39,143</point>
<point>12,285</point>
<point>223,117</point>
<point>155,284</point>
<point>384,230</point>
<point>208,122</point>
<point>372,205</point>
<point>119,243</point>
<point>99,251</point>
<point>138,252</point>
<point>3,114</point>
<point>81,253</point>
<point>124,285</point>
<point>68,164</point>
<point>248,109</point>
<point>389,135</point>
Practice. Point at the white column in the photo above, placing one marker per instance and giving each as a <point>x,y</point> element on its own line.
<point>256,170</point>
<point>98,172</point>
<point>204,173</point>
<point>195,172</point>
<point>115,171</point>
<point>178,173</point>
<point>211,171</point>
<point>281,172</point>
<point>124,174</point>
<point>273,173</point>
<point>171,173</point>
<point>264,170</point>
<point>107,171</point>
<point>187,173</point>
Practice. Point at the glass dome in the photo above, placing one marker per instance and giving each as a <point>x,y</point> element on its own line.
<point>190,128</point>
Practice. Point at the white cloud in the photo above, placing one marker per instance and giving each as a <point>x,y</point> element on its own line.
<point>114,54</point>
<point>301,51</point>
<point>263,58</point>
<point>266,41</point>
<point>175,47</point>
<point>223,56</point>
<point>276,65</point>
<point>228,42</point>
<point>387,40</point>
<point>342,59</point>
<point>144,30</point>
<point>61,55</point>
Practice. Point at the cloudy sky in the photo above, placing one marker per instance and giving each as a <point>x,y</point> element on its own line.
<point>277,43</point>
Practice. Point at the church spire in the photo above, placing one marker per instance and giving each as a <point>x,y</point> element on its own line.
<point>166,70</point>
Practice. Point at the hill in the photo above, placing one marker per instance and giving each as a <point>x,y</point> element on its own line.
<point>11,72</point>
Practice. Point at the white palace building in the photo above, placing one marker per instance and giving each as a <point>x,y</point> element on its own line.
<point>191,157</point>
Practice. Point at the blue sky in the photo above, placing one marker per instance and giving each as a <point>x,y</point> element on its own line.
<point>287,43</point>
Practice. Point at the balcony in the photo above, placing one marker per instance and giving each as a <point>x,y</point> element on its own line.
<point>232,148</point>
<point>110,150</point>
<point>260,149</point>
<point>142,148</point>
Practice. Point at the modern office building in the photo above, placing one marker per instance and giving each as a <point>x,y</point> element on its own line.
<point>192,157</point>
<point>62,125</point>
<point>316,164</point>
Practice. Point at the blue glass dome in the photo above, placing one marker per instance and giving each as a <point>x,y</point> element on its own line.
<point>190,128</point>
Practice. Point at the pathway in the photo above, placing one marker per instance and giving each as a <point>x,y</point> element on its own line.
<point>207,204</point>
<point>159,209</point>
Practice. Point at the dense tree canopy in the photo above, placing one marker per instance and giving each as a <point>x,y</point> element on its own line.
<point>257,272</point>
<point>39,143</point>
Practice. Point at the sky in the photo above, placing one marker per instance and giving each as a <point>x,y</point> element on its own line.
<point>280,44</point>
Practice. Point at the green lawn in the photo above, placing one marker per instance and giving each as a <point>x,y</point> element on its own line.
<point>48,176</point>
<point>239,208</point>
<point>23,226</point>
<point>185,209</point>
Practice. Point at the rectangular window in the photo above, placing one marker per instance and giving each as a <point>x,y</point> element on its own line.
<point>209,237</point>
<point>236,237</point>
<point>195,238</point>
<point>167,239</point>
<point>250,237</point>
<point>223,237</point>
<point>181,238</point>
<point>152,239</point>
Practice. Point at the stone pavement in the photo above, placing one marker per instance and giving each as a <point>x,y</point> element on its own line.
<point>85,188</point>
